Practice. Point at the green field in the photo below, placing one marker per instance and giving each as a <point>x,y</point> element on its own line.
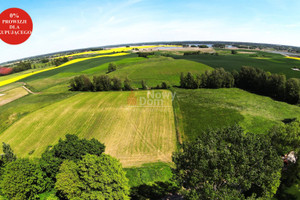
<point>204,109</point>
<point>142,137</point>
<point>61,76</point>
<point>153,70</point>
<point>133,134</point>
<point>274,63</point>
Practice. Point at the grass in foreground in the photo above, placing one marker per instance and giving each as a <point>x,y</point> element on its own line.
<point>203,109</point>
<point>135,135</point>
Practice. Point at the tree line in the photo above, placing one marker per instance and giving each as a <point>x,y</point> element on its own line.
<point>59,61</point>
<point>99,83</point>
<point>248,78</point>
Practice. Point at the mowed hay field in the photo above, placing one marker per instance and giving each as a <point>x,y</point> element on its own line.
<point>135,135</point>
<point>204,109</point>
<point>11,95</point>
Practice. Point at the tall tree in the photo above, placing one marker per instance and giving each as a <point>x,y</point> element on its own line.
<point>127,84</point>
<point>72,148</point>
<point>144,86</point>
<point>8,154</point>
<point>293,91</point>
<point>228,164</point>
<point>23,179</point>
<point>117,84</point>
<point>102,83</point>
<point>286,139</point>
<point>190,81</point>
<point>93,177</point>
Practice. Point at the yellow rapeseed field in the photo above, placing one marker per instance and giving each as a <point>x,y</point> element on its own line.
<point>12,80</point>
<point>118,50</point>
<point>293,57</point>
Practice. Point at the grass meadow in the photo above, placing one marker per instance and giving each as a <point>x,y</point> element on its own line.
<point>204,109</point>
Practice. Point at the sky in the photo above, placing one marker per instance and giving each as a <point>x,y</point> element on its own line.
<point>60,25</point>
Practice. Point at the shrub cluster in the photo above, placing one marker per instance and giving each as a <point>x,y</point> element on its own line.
<point>111,67</point>
<point>100,83</point>
<point>59,61</point>
<point>145,54</point>
<point>22,66</point>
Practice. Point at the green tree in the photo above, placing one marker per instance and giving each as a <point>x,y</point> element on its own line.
<point>93,177</point>
<point>293,91</point>
<point>164,85</point>
<point>286,138</point>
<point>112,67</point>
<point>219,78</point>
<point>117,84</point>
<point>276,85</point>
<point>228,164</point>
<point>8,154</point>
<point>72,148</point>
<point>81,83</point>
<point>127,84</point>
<point>144,86</point>
<point>102,83</point>
<point>190,81</point>
<point>182,80</point>
<point>23,179</point>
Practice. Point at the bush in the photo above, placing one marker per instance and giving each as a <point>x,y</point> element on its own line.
<point>145,54</point>
<point>59,61</point>
<point>111,67</point>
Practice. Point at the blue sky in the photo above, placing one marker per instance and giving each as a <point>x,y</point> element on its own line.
<point>62,25</point>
